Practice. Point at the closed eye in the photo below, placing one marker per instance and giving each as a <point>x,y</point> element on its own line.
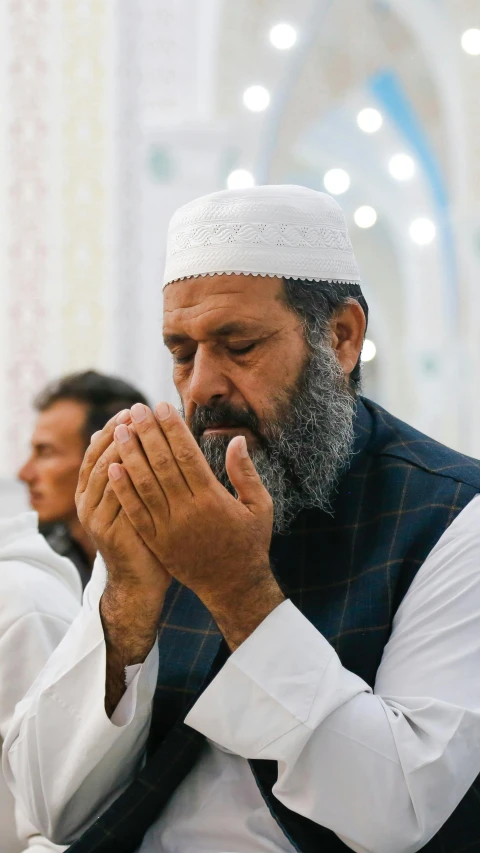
<point>182,359</point>
<point>242,350</point>
<point>234,349</point>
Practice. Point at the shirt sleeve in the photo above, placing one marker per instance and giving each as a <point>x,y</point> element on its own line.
<point>382,769</point>
<point>36,635</point>
<point>64,714</point>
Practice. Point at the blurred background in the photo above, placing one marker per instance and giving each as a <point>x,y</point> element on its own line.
<point>114,112</point>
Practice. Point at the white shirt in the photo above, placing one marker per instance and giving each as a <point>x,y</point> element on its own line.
<point>382,769</point>
<point>40,595</point>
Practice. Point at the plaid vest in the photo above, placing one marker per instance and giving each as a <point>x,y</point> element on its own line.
<point>348,574</point>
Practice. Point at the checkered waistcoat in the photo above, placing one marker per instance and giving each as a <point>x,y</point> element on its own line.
<point>347,574</point>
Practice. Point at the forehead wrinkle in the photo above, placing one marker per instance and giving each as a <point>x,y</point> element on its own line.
<point>201,299</point>
<point>170,328</point>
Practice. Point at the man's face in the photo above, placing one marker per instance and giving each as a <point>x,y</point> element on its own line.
<point>242,366</point>
<point>51,472</point>
<point>234,341</point>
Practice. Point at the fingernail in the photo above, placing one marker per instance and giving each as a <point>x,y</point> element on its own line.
<point>243,449</point>
<point>139,412</point>
<point>95,434</point>
<point>123,417</point>
<point>115,471</point>
<point>163,411</point>
<point>122,434</point>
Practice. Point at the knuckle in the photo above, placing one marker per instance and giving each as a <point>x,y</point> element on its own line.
<point>185,454</point>
<point>102,464</point>
<point>111,455</point>
<point>109,492</point>
<point>161,461</point>
<point>147,425</point>
<point>145,484</point>
<point>141,521</point>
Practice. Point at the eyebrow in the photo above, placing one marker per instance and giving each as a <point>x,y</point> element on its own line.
<point>221,332</point>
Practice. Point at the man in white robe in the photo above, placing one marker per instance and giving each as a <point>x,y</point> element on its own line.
<point>40,596</point>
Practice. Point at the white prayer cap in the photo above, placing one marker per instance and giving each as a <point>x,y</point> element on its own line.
<point>278,231</point>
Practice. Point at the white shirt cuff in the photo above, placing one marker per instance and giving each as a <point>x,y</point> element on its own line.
<point>283,676</point>
<point>140,681</point>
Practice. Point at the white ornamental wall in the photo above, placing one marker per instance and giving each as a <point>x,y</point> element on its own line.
<point>55,201</point>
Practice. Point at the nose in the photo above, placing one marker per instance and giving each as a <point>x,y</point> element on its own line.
<point>208,384</point>
<point>26,473</point>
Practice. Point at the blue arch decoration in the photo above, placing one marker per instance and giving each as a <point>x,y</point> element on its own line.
<point>393,100</point>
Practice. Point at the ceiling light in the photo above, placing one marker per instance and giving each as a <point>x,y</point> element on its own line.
<point>401,167</point>
<point>369,120</point>
<point>422,231</point>
<point>369,350</point>
<point>471,42</point>
<point>240,179</point>
<point>365,216</point>
<point>283,36</point>
<point>256,98</point>
<point>336,181</point>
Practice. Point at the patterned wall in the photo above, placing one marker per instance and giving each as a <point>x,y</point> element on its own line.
<point>27,200</point>
<point>86,185</point>
<point>55,194</point>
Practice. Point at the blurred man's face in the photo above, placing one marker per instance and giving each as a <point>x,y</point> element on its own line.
<point>51,472</point>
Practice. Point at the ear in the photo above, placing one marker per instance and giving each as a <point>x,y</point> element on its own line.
<point>348,331</point>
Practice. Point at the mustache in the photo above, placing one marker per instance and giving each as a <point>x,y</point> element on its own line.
<point>224,415</point>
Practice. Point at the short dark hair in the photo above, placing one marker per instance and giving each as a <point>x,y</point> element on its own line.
<point>316,302</point>
<point>103,396</point>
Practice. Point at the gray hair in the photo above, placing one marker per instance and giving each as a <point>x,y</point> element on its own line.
<point>316,302</point>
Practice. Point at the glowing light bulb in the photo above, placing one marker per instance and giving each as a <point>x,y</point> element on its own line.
<point>256,98</point>
<point>471,42</point>
<point>365,216</point>
<point>369,350</point>
<point>240,179</point>
<point>369,120</point>
<point>336,181</point>
<point>283,36</point>
<point>422,231</point>
<point>401,167</point>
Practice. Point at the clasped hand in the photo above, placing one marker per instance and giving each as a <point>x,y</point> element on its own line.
<point>149,499</point>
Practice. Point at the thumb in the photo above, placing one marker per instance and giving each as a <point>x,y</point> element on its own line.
<point>243,475</point>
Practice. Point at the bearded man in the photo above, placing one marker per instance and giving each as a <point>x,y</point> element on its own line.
<point>226,690</point>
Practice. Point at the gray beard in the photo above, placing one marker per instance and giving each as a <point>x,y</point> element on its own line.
<point>302,453</point>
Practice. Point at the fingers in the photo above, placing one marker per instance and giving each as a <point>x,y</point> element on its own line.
<point>98,444</point>
<point>97,481</point>
<point>160,455</point>
<point>187,454</point>
<point>244,477</point>
<point>140,469</point>
<point>108,508</point>
<point>133,507</point>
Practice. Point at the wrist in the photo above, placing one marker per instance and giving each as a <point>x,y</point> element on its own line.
<point>130,620</point>
<point>238,612</point>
